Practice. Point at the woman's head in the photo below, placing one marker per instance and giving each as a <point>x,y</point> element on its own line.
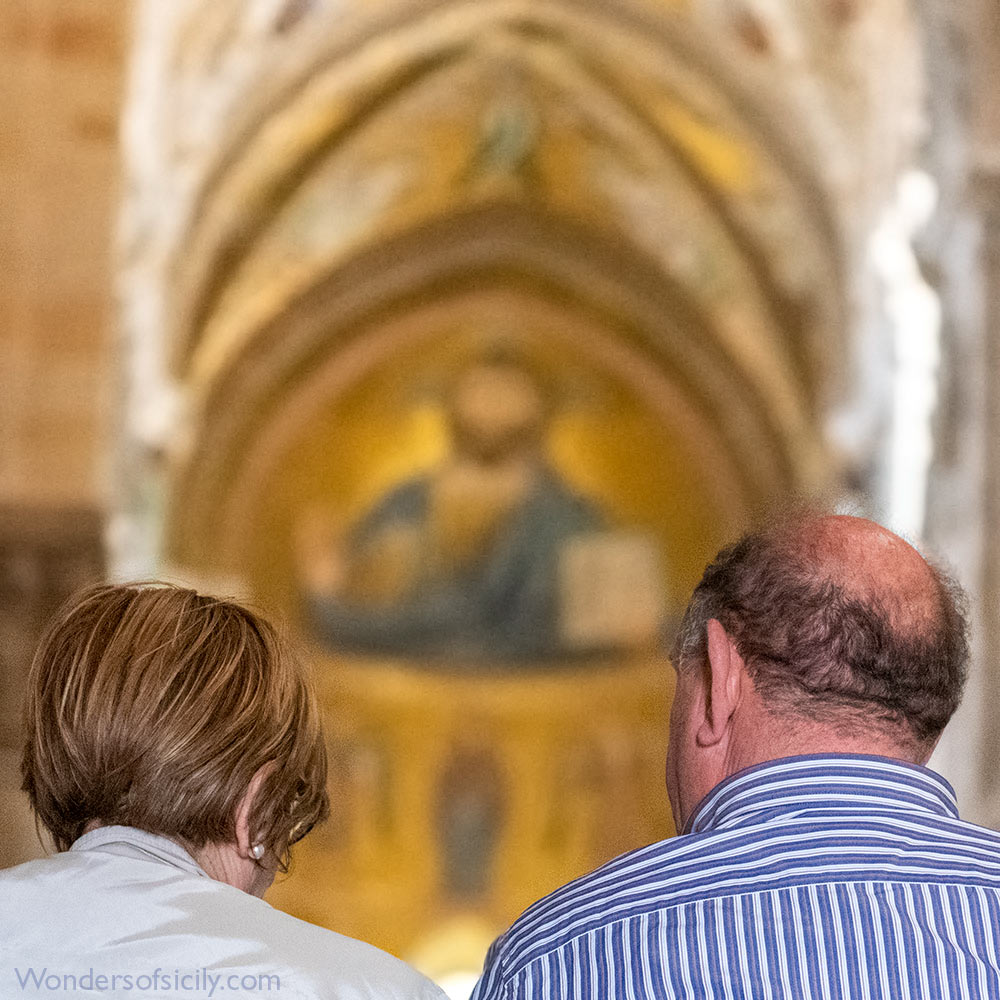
<point>155,707</point>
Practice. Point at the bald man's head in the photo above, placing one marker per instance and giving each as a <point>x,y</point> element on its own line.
<point>838,619</point>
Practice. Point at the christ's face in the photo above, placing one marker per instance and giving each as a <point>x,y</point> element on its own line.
<point>497,411</point>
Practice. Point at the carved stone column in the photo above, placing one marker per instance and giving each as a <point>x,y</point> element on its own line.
<point>988,183</point>
<point>986,110</point>
<point>950,256</point>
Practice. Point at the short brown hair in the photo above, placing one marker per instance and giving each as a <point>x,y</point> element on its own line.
<point>154,706</point>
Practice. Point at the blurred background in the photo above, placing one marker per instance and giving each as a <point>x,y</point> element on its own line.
<point>458,335</point>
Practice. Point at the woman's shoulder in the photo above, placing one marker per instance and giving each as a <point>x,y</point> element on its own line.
<point>333,961</point>
<point>323,962</point>
<point>68,905</point>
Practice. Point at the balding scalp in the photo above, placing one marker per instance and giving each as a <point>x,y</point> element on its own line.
<point>836,616</point>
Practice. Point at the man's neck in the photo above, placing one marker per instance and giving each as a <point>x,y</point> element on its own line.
<point>783,736</point>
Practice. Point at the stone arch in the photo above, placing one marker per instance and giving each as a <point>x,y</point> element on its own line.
<point>253,412</point>
<point>337,91</point>
<point>716,152</point>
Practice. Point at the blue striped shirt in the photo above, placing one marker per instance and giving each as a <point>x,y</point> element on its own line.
<point>836,877</point>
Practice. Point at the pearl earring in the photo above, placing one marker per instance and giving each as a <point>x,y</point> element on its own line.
<point>257,851</point>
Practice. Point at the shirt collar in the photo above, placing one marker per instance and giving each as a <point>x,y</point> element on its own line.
<point>821,783</point>
<point>129,840</point>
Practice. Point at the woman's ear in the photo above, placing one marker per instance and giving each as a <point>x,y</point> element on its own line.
<point>244,812</point>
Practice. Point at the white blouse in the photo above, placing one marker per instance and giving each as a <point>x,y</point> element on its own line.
<point>124,914</point>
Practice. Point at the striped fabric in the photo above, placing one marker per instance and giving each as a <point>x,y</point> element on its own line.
<point>808,877</point>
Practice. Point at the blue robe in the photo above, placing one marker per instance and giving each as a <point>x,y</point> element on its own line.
<point>504,607</point>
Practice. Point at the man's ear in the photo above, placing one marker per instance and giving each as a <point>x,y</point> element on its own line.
<point>244,810</point>
<point>726,671</point>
